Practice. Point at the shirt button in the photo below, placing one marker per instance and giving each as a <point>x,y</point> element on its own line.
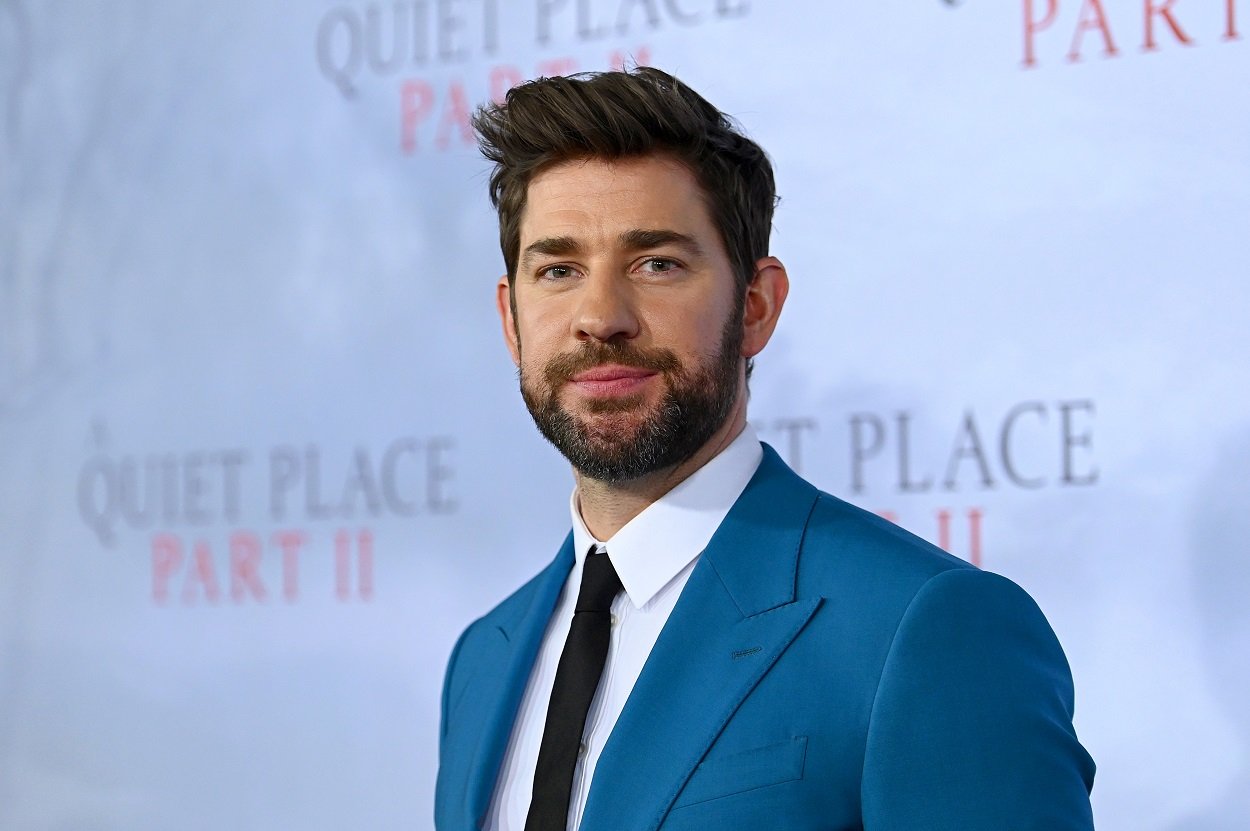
<point>581,749</point>
<point>614,620</point>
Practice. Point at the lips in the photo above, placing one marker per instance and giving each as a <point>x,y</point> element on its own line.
<point>611,380</point>
<point>611,373</point>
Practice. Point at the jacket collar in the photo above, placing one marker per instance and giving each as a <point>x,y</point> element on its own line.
<point>736,616</point>
<point>755,552</point>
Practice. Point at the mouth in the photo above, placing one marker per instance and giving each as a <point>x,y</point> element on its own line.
<point>611,380</point>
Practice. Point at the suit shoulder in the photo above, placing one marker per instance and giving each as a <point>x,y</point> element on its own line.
<point>878,571</point>
<point>841,537</point>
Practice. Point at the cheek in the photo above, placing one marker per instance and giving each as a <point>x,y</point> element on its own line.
<point>700,334</point>
<point>538,321</point>
<point>535,347</point>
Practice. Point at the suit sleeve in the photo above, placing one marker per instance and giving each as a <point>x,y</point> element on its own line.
<point>971,728</point>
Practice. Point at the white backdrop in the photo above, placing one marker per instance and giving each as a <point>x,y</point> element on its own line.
<point>261,453</point>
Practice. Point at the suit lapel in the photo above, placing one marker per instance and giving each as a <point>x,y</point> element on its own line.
<point>735,617</point>
<point>501,682</point>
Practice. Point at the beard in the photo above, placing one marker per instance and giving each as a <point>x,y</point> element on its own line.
<point>617,441</point>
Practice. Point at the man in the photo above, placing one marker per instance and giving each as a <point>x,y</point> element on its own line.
<point>717,644</point>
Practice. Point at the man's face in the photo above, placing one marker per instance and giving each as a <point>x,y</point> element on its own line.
<point>627,330</point>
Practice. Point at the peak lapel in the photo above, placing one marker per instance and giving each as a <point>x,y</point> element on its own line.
<point>735,617</point>
<point>518,641</point>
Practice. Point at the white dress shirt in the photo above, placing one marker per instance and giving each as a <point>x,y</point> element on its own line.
<point>654,554</point>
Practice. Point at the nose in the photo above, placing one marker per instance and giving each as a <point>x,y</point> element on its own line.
<point>605,310</point>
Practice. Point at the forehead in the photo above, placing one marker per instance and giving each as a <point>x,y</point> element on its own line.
<point>597,197</point>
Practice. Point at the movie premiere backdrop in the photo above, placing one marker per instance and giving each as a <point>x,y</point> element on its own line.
<point>261,451</point>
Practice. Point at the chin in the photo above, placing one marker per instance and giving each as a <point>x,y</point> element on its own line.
<point>614,427</point>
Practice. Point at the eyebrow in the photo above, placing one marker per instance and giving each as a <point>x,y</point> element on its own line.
<point>642,239</point>
<point>636,239</point>
<point>548,247</point>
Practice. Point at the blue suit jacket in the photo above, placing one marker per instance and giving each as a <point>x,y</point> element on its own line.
<point>822,669</point>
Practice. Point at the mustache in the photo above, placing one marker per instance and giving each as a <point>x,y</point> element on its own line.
<point>597,353</point>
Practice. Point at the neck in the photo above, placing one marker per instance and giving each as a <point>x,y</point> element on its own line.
<point>606,506</point>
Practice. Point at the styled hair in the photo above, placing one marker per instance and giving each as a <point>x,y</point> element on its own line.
<point>616,115</point>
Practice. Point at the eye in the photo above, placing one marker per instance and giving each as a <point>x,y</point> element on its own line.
<point>556,272</point>
<point>659,265</point>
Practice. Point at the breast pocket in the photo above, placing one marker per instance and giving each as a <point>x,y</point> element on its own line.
<point>746,770</point>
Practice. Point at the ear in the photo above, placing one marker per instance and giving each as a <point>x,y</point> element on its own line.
<point>503,300</point>
<point>766,294</point>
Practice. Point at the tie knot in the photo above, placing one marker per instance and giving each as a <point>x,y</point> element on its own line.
<point>600,584</point>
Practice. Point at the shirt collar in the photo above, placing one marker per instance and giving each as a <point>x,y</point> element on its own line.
<point>653,547</point>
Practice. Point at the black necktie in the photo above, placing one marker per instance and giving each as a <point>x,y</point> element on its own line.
<point>577,678</point>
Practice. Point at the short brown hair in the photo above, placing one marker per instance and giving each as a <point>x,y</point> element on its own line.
<point>614,115</point>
